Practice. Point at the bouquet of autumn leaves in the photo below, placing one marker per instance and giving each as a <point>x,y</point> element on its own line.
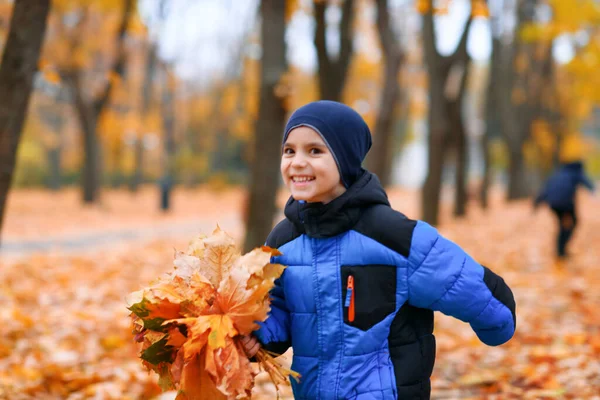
<point>191,321</point>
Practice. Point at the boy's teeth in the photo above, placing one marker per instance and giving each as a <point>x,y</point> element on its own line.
<point>302,179</point>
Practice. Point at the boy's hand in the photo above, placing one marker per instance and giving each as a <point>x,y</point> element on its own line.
<point>251,345</point>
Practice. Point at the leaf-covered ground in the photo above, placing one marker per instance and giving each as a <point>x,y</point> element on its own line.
<point>65,334</point>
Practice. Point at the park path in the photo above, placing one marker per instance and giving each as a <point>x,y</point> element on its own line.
<point>95,240</point>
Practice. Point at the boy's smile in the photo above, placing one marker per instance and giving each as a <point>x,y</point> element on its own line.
<point>308,167</point>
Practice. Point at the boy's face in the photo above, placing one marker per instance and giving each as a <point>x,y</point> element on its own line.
<point>308,167</point>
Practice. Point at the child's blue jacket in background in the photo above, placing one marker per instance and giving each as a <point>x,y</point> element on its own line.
<point>403,270</point>
<point>559,190</point>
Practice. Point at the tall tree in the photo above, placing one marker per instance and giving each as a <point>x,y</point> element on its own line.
<point>89,110</point>
<point>168,124</point>
<point>264,175</point>
<point>380,158</point>
<point>492,117</point>
<point>446,92</point>
<point>333,71</point>
<point>17,71</point>
<point>149,76</point>
<point>524,83</point>
<point>458,134</point>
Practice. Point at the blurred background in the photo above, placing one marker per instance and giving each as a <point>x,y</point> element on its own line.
<point>128,126</point>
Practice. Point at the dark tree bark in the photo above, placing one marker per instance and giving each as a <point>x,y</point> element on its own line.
<point>89,112</point>
<point>55,174</point>
<point>264,175</point>
<point>380,157</point>
<point>168,122</point>
<point>17,71</point>
<point>444,111</point>
<point>520,101</point>
<point>437,122</point>
<point>459,134</point>
<point>492,117</point>
<point>332,73</point>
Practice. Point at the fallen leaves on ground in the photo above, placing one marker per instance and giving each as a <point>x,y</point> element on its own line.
<point>64,333</point>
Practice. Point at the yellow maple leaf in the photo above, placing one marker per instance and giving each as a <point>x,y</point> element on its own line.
<point>215,253</point>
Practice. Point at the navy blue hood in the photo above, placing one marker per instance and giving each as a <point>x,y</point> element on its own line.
<point>573,166</point>
<point>343,130</point>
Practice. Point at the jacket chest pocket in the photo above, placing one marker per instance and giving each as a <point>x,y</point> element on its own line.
<point>368,294</point>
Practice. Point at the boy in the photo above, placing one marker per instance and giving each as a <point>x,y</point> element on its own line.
<point>356,300</point>
<point>559,194</point>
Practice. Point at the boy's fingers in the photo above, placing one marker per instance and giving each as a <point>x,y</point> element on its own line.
<point>252,352</point>
<point>251,345</point>
<point>248,339</point>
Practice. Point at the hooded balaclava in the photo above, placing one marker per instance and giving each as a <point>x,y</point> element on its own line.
<point>342,129</point>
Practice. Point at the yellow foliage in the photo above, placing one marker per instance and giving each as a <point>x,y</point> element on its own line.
<point>535,32</point>
<point>543,137</point>
<point>574,147</point>
<point>242,129</point>
<point>229,103</point>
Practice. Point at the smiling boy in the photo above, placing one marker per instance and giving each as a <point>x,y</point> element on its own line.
<point>356,300</point>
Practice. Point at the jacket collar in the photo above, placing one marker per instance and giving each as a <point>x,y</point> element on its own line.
<point>320,220</point>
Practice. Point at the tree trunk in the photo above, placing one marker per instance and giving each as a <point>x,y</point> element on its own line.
<point>138,163</point>
<point>460,144</point>
<point>442,93</point>
<point>431,192</point>
<point>380,158</point>
<point>17,71</point>
<point>492,118</point>
<point>168,120</point>
<point>54,175</point>
<point>518,187</point>
<point>519,98</point>
<point>487,173</point>
<point>89,112</point>
<point>437,123</point>
<point>459,134</point>
<point>332,73</point>
<point>87,122</point>
<point>264,175</point>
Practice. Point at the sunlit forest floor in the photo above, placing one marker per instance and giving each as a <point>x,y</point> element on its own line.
<point>64,328</point>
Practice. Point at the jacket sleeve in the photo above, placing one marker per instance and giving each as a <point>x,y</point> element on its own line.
<point>587,182</point>
<point>442,277</point>
<point>274,332</point>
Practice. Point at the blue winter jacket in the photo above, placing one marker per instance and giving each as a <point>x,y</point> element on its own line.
<point>402,270</point>
<point>559,190</point>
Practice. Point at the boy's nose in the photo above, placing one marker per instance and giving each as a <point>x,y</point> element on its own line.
<point>298,161</point>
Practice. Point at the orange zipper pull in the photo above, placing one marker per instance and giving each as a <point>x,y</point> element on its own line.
<point>350,298</point>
